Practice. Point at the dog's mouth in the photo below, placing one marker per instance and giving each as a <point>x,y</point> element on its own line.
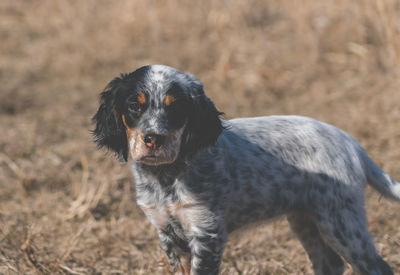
<point>164,153</point>
<point>154,160</point>
<point>148,158</point>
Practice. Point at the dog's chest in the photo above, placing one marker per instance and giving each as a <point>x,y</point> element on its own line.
<point>163,215</point>
<point>177,206</point>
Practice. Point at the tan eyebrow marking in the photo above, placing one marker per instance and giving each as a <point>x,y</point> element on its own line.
<point>141,98</point>
<point>169,99</point>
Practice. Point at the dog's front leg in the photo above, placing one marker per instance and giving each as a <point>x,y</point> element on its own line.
<point>206,249</point>
<point>177,250</point>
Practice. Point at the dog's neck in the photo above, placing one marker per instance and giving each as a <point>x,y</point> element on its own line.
<point>165,174</point>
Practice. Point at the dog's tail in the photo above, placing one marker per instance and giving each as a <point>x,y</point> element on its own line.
<point>381,181</point>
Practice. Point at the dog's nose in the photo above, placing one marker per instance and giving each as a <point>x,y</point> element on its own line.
<point>154,141</point>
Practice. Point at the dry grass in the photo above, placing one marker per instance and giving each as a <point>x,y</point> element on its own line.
<point>66,208</point>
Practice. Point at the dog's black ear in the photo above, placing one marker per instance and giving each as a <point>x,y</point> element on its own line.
<point>109,131</point>
<point>204,125</point>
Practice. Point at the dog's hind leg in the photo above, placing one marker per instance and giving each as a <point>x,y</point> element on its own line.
<point>325,261</point>
<point>345,230</point>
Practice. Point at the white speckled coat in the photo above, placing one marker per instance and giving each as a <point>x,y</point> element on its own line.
<point>199,178</point>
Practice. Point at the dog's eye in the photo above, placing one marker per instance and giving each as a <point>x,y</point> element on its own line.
<point>135,103</point>
<point>134,107</point>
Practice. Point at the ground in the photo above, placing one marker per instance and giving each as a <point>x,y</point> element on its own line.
<point>66,208</point>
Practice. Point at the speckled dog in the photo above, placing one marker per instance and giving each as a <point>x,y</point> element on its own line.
<point>198,178</point>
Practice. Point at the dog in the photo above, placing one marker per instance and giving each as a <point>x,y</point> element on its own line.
<point>198,177</point>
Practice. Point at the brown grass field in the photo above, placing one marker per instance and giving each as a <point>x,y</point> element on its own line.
<point>66,208</point>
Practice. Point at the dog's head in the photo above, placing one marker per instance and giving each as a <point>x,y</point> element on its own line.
<point>155,114</point>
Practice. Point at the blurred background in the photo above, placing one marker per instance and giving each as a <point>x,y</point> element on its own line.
<point>66,208</point>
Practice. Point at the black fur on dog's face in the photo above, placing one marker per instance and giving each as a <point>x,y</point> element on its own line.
<point>155,114</point>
